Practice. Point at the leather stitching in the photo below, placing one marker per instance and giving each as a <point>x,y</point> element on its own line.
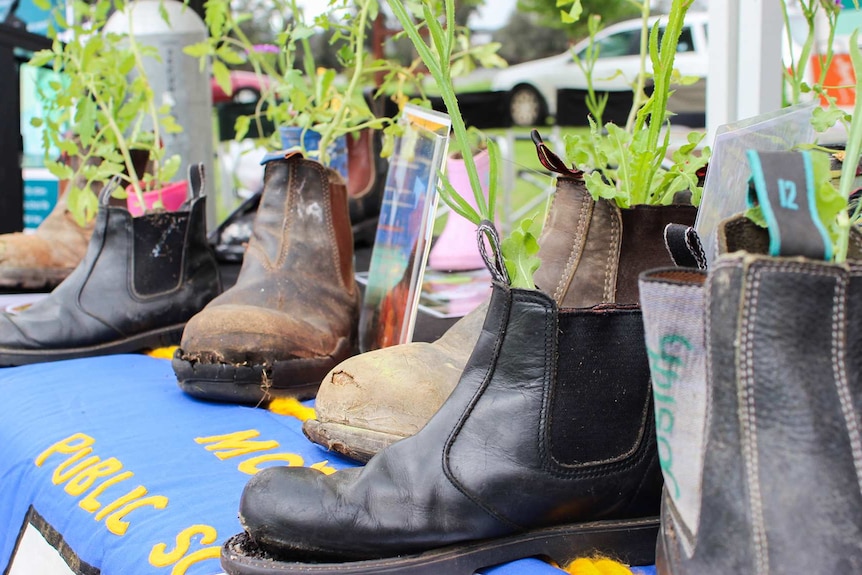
<point>748,419</point>
<point>289,209</point>
<point>253,246</point>
<point>695,248</point>
<point>839,346</point>
<point>330,227</point>
<point>612,262</point>
<point>546,417</point>
<point>106,227</point>
<point>746,410</point>
<point>573,262</point>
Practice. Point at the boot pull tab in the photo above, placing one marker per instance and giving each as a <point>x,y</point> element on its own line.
<point>197,181</point>
<point>783,187</point>
<point>494,261</point>
<point>108,190</point>
<point>552,161</point>
<point>683,245</point>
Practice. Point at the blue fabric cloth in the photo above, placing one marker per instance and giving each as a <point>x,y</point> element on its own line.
<point>169,469</point>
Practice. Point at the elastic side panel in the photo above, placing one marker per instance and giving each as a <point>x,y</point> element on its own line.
<point>158,251</point>
<point>643,244</point>
<point>601,398</point>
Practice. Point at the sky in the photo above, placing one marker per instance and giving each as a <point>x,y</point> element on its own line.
<point>492,14</point>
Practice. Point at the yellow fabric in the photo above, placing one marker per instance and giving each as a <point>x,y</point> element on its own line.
<point>163,352</point>
<point>290,406</point>
<point>598,566</point>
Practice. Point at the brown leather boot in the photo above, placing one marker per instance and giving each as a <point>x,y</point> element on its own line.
<point>43,259</point>
<point>366,183</point>
<point>591,253</point>
<point>293,313</point>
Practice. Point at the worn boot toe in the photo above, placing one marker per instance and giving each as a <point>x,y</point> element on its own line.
<point>263,507</point>
<point>292,314</point>
<point>241,334</point>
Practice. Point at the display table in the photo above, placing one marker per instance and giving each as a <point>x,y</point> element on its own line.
<point>106,463</point>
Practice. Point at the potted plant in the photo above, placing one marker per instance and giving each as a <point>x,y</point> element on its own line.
<point>108,105</point>
<point>309,105</point>
<point>142,277</point>
<point>836,180</point>
<point>315,101</point>
<point>557,374</point>
<point>627,164</point>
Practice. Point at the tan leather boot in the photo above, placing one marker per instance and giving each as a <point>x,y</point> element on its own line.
<point>43,259</point>
<point>293,313</point>
<point>591,253</point>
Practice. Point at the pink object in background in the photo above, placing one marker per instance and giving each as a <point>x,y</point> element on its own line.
<point>457,249</point>
<point>172,197</point>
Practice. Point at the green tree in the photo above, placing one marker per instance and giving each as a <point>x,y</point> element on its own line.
<point>524,38</point>
<point>549,14</point>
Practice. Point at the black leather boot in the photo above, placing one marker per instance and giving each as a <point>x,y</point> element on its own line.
<point>591,253</point>
<point>546,447</point>
<point>139,282</point>
<point>756,372</point>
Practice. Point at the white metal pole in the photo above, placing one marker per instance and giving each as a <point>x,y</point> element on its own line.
<point>759,77</point>
<point>721,87</point>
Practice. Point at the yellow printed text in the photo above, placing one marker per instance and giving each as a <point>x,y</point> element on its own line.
<point>238,444</point>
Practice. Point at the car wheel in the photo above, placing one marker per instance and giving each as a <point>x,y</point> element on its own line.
<point>526,107</point>
<point>246,96</point>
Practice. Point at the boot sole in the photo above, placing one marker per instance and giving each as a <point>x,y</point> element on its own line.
<point>152,339</point>
<point>256,384</point>
<point>31,279</point>
<point>632,542</point>
<point>353,442</point>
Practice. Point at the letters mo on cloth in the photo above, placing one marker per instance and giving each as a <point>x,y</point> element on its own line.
<point>126,475</point>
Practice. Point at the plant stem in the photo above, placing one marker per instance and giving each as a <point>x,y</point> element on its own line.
<point>791,76</point>
<point>661,77</point>
<point>328,135</point>
<point>154,116</point>
<point>800,66</point>
<point>826,61</point>
<point>444,83</point>
<point>640,83</point>
<point>268,94</point>
<point>852,152</point>
<point>122,143</point>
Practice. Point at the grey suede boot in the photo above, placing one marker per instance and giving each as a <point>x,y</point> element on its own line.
<point>758,399</point>
<point>591,253</point>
